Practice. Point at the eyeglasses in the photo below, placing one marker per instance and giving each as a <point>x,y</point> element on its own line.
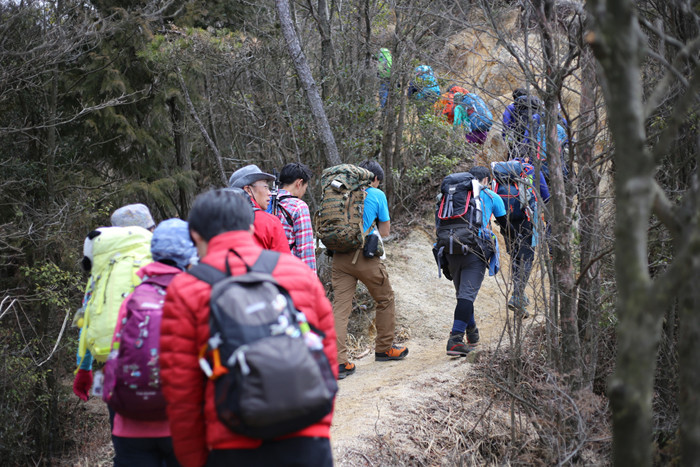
<point>265,186</point>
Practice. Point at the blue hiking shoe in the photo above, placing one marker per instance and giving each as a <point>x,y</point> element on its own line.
<point>519,306</point>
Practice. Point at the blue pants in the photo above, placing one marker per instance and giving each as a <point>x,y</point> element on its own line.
<point>291,452</point>
<point>383,92</point>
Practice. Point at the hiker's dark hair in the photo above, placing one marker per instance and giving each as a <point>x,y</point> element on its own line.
<point>374,167</point>
<point>480,172</point>
<point>519,92</point>
<point>219,211</point>
<point>294,171</point>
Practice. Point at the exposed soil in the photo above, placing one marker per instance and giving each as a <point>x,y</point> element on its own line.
<point>379,394</point>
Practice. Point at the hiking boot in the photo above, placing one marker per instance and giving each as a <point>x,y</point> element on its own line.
<point>473,336</point>
<point>345,370</point>
<point>396,352</point>
<point>526,300</point>
<point>456,346</point>
<point>518,305</point>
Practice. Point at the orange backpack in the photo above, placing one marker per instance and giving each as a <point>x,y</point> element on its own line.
<point>446,104</point>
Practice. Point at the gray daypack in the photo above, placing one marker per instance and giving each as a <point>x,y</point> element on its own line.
<point>273,378</point>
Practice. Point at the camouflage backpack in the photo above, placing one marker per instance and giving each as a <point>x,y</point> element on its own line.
<point>339,219</point>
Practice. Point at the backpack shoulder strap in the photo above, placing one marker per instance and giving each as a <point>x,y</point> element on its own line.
<point>266,262</point>
<point>208,274</point>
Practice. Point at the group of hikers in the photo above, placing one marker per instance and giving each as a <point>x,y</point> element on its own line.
<point>216,341</point>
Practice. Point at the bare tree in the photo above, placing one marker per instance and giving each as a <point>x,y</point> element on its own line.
<point>307,80</point>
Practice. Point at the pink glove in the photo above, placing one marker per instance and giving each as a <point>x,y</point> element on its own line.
<point>82,384</point>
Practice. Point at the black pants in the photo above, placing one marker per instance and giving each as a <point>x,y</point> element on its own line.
<point>521,255</point>
<point>144,452</point>
<point>292,452</point>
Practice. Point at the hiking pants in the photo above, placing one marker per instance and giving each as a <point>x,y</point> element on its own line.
<point>291,452</point>
<point>144,452</point>
<point>522,255</point>
<point>467,274</point>
<point>372,273</point>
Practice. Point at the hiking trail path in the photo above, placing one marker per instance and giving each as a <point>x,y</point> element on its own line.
<point>374,399</point>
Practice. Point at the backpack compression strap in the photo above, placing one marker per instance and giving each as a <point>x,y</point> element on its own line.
<point>266,263</point>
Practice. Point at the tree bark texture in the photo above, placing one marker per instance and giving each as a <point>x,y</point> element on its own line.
<point>218,163</point>
<point>616,44</point>
<point>51,143</point>
<point>307,80</point>
<point>560,211</point>
<point>689,373</point>
<point>182,156</point>
<point>589,225</point>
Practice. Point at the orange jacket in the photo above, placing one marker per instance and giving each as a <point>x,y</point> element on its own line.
<point>194,424</point>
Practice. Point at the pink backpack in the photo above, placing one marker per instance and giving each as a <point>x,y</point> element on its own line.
<point>132,372</point>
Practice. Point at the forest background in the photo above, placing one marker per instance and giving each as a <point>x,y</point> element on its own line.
<point>104,103</point>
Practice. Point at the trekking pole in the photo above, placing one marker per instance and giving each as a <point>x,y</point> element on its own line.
<point>274,192</point>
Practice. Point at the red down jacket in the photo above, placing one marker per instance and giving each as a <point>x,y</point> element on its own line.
<point>194,425</point>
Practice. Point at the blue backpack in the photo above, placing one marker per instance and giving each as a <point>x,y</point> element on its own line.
<point>480,117</point>
<point>511,184</point>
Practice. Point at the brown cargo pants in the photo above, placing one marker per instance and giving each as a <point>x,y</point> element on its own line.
<point>372,273</point>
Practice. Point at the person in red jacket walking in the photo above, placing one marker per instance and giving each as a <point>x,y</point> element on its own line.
<point>256,184</point>
<point>219,222</point>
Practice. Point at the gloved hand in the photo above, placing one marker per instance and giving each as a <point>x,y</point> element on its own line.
<point>82,384</point>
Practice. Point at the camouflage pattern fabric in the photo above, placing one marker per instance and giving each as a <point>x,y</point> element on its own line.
<point>339,218</point>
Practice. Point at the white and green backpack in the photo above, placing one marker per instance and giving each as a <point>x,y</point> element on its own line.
<point>117,253</point>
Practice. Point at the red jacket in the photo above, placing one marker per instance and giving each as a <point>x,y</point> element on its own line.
<point>194,425</point>
<point>269,232</point>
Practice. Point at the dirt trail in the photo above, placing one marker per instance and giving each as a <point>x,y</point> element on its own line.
<point>378,393</point>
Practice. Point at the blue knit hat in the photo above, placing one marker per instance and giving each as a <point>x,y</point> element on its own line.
<point>171,240</point>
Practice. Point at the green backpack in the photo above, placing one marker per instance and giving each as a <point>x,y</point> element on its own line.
<point>118,252</point>
<point>339,218</point>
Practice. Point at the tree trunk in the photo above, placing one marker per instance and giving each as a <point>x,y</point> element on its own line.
<point>324,27</point>
<point>51,143</point>
<point>390,122</point>
<point>689,373</point>
<point>560,215</point>
<point>589,226</point>
<point>218,163</point>
<point>307,80</point>
<point>616,44</point>
<point>182,156</point>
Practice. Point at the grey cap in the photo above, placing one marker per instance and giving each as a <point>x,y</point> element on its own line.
<point>247,176</point>
<point>133,215</point>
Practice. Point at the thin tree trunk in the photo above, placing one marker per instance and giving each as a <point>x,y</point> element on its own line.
<point>51,156</point>
<point>561,224</point>
<point>589,226</point>
<point>307,80</point>
<point>218,162</point>
<point>182,156</point>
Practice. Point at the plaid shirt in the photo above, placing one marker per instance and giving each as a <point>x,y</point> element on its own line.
<point>301,231</point>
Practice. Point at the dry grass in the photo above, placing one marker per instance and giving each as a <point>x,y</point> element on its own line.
<point>491,419</point>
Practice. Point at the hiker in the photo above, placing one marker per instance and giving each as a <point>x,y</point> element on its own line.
<point>221,224</point>
<point>543,155</point>
<point>466,246</point>
<point>520,120</point>
<point>445,106</point>
<point>256,185</point>
<point>97,256</point>
<point>513,182</point>
<point>141,433</point>
<point>472,114</point>
<point>294,213</point>
<point>424,89</point>
<point>384,74</point>
<point>349,267</point>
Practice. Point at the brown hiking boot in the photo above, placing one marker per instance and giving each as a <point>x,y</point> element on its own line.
<point>396,352</point>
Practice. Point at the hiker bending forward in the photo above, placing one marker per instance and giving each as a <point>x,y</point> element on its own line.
<point>350,267</point>
<point>221,225</point>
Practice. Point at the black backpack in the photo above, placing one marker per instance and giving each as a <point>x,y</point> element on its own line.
<point>271,375</point>
<point>526,107</point>
<point>510,183</point>
<point>458,216</point>
<point>288,217</point>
